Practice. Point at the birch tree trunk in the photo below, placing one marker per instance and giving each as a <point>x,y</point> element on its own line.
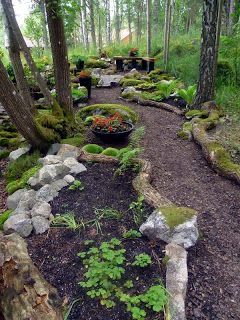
<point>9,13</point>
<point>129,19</point>
<point>60,56</point>
<point>84,6</point>
<point>117,21</point>
<point>108,21</point>
<point>19,112</point>
<point>206,82</point>
<point>149,28</point>
<point>92,23</point>
<point>167,29</point>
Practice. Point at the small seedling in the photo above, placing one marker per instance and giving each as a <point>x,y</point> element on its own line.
<point>132,234</point>
<point>76,185</point>
<point>66,220</point>
<point>142,260</point>
<point>137,209</point>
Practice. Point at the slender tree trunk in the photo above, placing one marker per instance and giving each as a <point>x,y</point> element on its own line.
<point>149,28</point>
<point>100,41</point>
<point>156,13</point>
<point>15,57</point>
<point>84,5</point>
<point>206,83</point>
<point>129,18</point>
<point>44,25</point>
<point>219,24</point>
<point>117,21</point>
<point>108,21</point>
<point>9,12</point>
<point>167,28</point>
<point>19,111</point>
<point>60,55</point>
<point>92,23</point>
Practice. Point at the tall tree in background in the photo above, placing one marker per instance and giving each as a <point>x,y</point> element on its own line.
<point>108,21</point>
<point>9,13</point>
<point>60,55</point>
<point>156,14</point>
<point>92,22</point>
<point>206,82</point>
<point>149,36</point>
<point>19,112</point>
<point>42,8</point>
<point>167,29</point>
<point>117,20</point>
<point>85,20</point>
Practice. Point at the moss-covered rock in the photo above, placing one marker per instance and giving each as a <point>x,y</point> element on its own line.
<point>154,96</point>
<point>174,216</point>
<point>186,132</point>
<point>94,63</point>
<point>77,140</point>
<point>131,83</point>
<point>93,148</point>
<point>3,217</point>
<point>146,86</point>
<point>196,113</point>
<point>111,152</point>
<point>107,110</point>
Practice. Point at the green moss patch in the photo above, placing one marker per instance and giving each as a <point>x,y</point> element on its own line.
<point>4,154</point>
<point>112,152</point>
<point>154,96</point>
<point>93,148</point>
<point>107,110</point>
<point>196,113</point>
<point>93,63</point>
<point>78,140</point>
<point>3,217</point>
<point>186,132</point>
<point>131,83</point>
<point>175,216</point>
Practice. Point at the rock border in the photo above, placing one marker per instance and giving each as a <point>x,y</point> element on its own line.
<point>176,255</point>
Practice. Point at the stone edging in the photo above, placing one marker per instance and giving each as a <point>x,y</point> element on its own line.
<point>176,266</point>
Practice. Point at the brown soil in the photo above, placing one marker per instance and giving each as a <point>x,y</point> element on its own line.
<point>55,253</point>
<point>181,173</point>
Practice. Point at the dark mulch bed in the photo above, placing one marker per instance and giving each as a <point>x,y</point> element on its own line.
<point>181,173</point>
<point>55,253</point>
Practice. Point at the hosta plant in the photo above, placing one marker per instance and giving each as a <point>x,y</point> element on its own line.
<point>188,94</point>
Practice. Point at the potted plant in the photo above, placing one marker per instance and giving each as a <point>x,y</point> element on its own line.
<point>112,128</point>
<point>85,80</point>
<point>133,52</point>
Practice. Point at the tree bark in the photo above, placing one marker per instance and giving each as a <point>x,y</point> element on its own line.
<point>9,12</point>
<point>149,36</point>
<point>19,111</point>
<point>156,13</point>
<point>108,21</point>
<point>167,28</point>
<point>60,56</point>
<point>206,82</point>
<point>117,21</point>
<point>24,293</point>
<point>129,19</point>
<point>92,23</point>
<point>44,26</point>
<point>15,58</point>
<point>84,6</point>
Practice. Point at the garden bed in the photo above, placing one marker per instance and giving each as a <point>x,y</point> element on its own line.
<point>55,253</point>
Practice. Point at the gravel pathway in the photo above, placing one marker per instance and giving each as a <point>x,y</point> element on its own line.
<point>181,173</point>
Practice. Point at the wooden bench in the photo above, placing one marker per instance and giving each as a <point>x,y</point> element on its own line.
<point>147,64</point>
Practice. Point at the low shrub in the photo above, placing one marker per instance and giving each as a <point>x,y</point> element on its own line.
<point>93,148</point>
<point>111,152</point>
<point>224,71</point>
<point>80,94</point>
<point>107,110</point>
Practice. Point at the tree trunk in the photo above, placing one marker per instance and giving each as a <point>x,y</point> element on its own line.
<point>219,24</point>
<point>108,21</point>
<point>100,41</point>
<point>14,55</point>
<point>84,5</point>
<point>19,111</point>
<point>92,23</point>
<point>149,28</point>
<point>9,12</point>
<point>117,21</point>
<point>156,13</point>
<point>167,28</point>
<point>129,18</point>
<point>24,293</point>
<point>44,26</point>
<point>60,56</point>
<point>206,82</point>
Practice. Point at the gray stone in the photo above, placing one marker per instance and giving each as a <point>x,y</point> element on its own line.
<point>59,184</point>
<point>66,151</point>
<point>185,234</point>
<point>14,199</point>
<point>69,179</point>
<point>18,223</point>
<point>50,159</point>
<point>128,90</point>
<point>47,193</point>
<point>74,166</point>
<point>96,72</point>
<point>40,224</point>
<point>54,149</point>
<point>28,200</point>
<point>18,153</point>
<point>42,209</point>
<point>48,174</point>
<point>176,280</point>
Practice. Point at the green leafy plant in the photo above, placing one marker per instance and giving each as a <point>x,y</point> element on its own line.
<point>66,220</point>
<point>76,185</point>
<point>167,87</point>
<point>138,209</point>
<point>127,161</point>
<point>188,94</point>
<point>142,260</point>
<point>132,234</point>
<point>105,213</point>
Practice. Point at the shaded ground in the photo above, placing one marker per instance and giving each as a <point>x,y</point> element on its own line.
<point>55,253</point>
<point>181,173</point>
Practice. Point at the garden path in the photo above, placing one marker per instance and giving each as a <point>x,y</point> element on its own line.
<point>181,173</point>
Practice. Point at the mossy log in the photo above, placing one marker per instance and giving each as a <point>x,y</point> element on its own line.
<point>160,105</point>
<point>24,293</point>
<point>142,184</point>
<point>93,157</point>
<point>213,151</point>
